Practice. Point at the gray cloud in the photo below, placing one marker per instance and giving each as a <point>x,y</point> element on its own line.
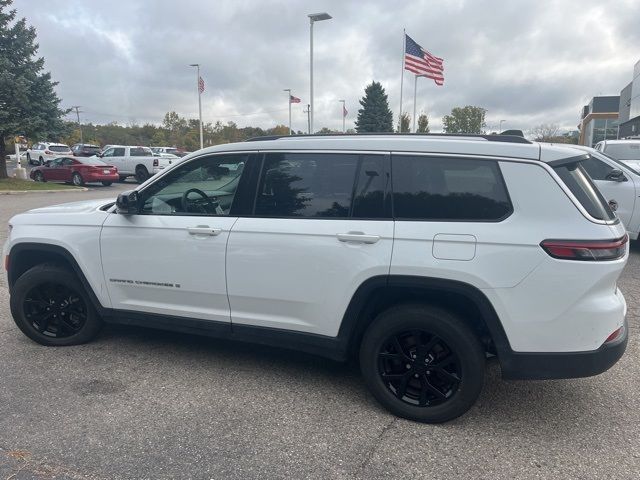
<point>524,61</point>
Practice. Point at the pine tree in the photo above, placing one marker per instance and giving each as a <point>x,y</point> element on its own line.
<point>375,114</point>
<point>423,123</point>
<point>28,103</point>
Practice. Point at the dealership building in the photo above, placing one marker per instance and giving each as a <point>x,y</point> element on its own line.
<point>630,106</point>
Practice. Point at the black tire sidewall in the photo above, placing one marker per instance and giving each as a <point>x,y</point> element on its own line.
<point>142,174</point>
<point>55,274</point>
<point>454,332</point>
<point>106,184</point>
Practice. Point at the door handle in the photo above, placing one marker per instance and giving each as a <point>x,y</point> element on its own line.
<point>357,237</point>
<point>204,230</point>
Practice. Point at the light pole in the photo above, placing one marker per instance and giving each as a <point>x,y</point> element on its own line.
<point>288,90</point>
<point>76,108</point>
<point>500,127</point>
<point>308,111</point>
<point>313,17</point>
<point>197,65</point>
<point>343,115</point>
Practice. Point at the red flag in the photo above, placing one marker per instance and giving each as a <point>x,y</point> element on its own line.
<point>293,99</point>
<point>200,85</point>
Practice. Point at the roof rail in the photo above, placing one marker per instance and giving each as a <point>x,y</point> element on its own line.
<point>491,138</point>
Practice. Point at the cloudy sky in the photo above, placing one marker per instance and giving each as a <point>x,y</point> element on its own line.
<point>526,62</point>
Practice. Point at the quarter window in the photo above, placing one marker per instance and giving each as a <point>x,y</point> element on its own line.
<point>596,169</point>
<point>431,188</point>
<point>322,186</point>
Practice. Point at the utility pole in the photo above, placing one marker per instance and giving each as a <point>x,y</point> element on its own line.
<point>77,109</point>
<point>308,112</point>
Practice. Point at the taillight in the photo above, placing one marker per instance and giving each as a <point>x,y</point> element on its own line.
<point>588,250</point>
<point>615,335</point>
<point>155,162</point>
<point>48,152</point>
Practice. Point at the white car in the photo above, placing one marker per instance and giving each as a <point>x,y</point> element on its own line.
<point>624,150</point>
<point>619,183</point>
<point>134,161</point>
<point>421,256</point>
<point>39,153</point>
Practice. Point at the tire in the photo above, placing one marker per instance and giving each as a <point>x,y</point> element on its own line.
<point>77,180</point>
<point>39,177</point>
<point>141,174</point>
<point>107,184</point>
<point>41,161</point>
<point>451,361</point>
<point>53,286</point>
<point>122,178</point>
<point>29,159</point>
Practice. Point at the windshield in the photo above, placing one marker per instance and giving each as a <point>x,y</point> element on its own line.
<point>623,151</point>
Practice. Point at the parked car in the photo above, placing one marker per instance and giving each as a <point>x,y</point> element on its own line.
<point>134,161</point>
<point>85,150</point>
<point>75,170</point>
<point>43,151</point>
<point>619,183</point>
<point>159,150</point>
<point>421,256</point>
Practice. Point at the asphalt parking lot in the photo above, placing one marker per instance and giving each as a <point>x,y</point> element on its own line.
<point>146,404</point>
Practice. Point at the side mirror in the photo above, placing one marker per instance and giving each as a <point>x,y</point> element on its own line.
<point>616,175</point>
<point>100,154</point>
<point>127,203</point>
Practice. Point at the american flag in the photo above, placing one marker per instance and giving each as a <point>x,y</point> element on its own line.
<point>344,110</point>
<point>293,99</point>
<point>200,84</point>
<point>421,62</point>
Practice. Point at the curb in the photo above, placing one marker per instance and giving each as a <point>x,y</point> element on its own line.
<point>23,192</point>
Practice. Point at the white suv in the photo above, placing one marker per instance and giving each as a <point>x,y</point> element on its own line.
<point>44,151</point>
<point>421,255</point>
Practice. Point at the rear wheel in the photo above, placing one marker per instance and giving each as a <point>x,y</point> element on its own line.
<point>106,184</point>
<point>39,177</point>
<point>422,363</point>
<point>141,174</point>
<point>50,306</point>
<point>77,180</point>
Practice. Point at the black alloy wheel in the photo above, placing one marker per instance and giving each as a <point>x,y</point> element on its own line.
<point>422,362</point>
<point>141,174</point>
<point>419,368</point>
<point>51,307</point>
<point>55,310</point>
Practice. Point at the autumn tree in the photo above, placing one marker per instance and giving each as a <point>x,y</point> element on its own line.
<point>467,119</point>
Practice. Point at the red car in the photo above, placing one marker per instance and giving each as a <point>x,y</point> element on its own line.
<point>75,170</point>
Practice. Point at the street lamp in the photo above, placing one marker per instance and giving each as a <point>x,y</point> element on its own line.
<point>313,17</point>
<point>500,127</point>
<point>197,65</point>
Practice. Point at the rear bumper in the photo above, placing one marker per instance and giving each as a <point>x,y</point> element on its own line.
<point>99,177</point>
<point>541,366</point>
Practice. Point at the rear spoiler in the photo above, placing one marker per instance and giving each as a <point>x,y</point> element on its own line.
<point>566,161</point>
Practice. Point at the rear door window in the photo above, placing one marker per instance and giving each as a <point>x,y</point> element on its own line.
<point>577,180</point>
<point>322,185</point>
<point>448,189</point>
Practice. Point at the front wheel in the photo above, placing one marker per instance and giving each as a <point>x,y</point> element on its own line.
<point>39,177</point>
<point>50,306</point>
<point>422,363</point>
<point>77,180</point>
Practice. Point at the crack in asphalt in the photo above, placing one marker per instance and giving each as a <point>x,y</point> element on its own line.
<point>374,447</point>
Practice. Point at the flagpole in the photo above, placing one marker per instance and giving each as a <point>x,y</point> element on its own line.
<point>404,48</point>
<point>415,89</point>
<point>343,116</point>
<point>199,103</point>
<point>289,101</point>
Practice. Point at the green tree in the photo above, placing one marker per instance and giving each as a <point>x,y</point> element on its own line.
<point>405,122</point>
<point>467,119</point>
<point>28,102</point>
<point>375,114</point>
<point>423,123</point>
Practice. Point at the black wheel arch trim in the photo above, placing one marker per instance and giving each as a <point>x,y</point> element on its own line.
<point>19,248</point>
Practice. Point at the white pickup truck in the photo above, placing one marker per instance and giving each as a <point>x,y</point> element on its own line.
<point>137,162</point>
